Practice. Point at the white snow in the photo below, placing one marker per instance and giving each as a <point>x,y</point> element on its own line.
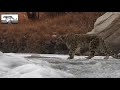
<point>14,65</point>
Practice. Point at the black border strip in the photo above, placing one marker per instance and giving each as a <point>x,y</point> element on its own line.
<point>60,5</point>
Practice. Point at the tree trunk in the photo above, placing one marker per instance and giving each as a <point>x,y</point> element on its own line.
<point>33,15</point>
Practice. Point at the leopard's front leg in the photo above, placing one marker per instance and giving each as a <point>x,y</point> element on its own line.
<point>72,53</point>
<point>91,55</point>
<point>92,48</point>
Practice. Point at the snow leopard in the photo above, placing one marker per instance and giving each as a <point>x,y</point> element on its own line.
<point>75,42</point>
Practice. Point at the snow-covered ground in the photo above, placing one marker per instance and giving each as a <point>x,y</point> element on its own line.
<point>14,65</point>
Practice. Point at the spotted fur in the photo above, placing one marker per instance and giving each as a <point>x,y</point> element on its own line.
<point>93,42</point>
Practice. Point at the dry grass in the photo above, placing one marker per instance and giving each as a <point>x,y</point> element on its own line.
<point>31,36</point>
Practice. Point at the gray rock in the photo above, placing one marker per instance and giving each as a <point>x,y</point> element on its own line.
<point>108,27</point>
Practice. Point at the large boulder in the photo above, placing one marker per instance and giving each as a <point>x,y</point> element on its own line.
<point>108,26</point>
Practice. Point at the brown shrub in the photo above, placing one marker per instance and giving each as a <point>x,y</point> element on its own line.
<point>35,36</point>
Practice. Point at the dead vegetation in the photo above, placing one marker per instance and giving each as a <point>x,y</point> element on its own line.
<point>36,36</point>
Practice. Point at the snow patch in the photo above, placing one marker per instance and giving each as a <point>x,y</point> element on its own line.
<point>14,66</point>
<point>36,71</point>
<point>1,53</point>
